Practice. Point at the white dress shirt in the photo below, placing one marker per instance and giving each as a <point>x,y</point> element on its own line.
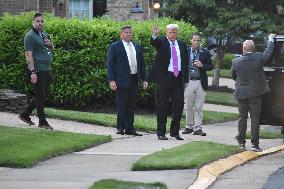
<point>125,44</point>
<point>171,67</point>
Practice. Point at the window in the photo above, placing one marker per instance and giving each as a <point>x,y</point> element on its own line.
<point>99,7</point>
<point>80,9</point>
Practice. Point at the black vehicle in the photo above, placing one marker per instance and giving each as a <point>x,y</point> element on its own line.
<point>273,102</point>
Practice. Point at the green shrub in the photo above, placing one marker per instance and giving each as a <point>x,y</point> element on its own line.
<point>227,61</point>
<point>79,72</point>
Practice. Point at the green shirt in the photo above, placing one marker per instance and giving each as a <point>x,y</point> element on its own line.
<point>42,56</point>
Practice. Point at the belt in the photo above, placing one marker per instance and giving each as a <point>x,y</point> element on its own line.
<point>134,75</point>
<point>194,78</point>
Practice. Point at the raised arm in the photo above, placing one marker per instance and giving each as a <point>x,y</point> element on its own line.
<point>155,40</point>
<point>269,48</point>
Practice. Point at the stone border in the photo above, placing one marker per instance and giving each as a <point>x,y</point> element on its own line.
<point>11,101</point>
<point>209,173</point>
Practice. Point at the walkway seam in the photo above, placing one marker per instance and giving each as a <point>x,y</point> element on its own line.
<point>209,173</point>
<point>112,153</point>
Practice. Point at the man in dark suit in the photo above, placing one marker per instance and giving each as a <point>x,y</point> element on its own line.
<point>251,84</point>
<point>170,74</point>
<point>194,94</point>
<point>126,68</point>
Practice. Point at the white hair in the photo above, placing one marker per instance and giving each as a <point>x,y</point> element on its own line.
<point>248,46</point>
<point>172,26</point>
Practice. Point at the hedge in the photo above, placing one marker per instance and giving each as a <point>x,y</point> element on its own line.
<point>79,72</point>
<point>227,61</point>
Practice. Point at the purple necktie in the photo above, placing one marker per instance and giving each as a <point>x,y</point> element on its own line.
<point>175,60</point>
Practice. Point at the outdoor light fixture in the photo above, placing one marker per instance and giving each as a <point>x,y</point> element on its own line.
<point>156,5</point>
<point>137,9</point>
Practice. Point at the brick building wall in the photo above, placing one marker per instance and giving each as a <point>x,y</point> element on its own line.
<point>60,9</point>
<point>121,9</point>
<point>117,9</point>
<point>16,7</point>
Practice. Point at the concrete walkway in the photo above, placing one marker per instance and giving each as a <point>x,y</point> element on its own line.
<point>220,108</point>
<point>112,160</point>
<point>230,83</point>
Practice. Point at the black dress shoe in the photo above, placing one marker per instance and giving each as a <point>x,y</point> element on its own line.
<point>45,125</point>
<point>120,132</point>
<point>26,119</point>
<point>161,137</point>
<point>178,137</point>
<point>187,131</point>
<point>199,132</point>
<point>133,133</point>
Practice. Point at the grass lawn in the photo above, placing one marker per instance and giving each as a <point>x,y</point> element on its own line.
<point>187,156</point>
<point>145,123</point>
<point>111,184</point>
<point>25,147</point>
<point>222,98</point>
<point>225,73</point>
<point>267,135</point>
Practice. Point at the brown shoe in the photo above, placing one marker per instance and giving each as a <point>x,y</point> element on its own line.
<point>26,119</point>
<point>45,125</point>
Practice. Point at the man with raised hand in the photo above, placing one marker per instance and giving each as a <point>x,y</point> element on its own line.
<point>251,85</point>
<point>170,74</point>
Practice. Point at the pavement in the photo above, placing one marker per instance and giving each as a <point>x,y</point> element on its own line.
<point>111,160</point>
<point>79,170</point>
<point>230,83</point>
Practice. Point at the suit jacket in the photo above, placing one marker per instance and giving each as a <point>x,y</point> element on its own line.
<point>205,58</point>
<point>248,72</point>
<point>118,68</point>
<point>159,73</point>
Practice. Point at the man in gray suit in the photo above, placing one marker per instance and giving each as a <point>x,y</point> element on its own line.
<point>251,84</point>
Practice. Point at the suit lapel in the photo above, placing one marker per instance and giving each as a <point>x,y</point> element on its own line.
<point>123,51</point>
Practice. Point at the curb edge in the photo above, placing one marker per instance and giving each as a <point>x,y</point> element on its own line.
<point>209,173</point>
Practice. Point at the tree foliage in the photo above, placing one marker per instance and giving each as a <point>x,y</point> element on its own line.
<point>79,72</point>
<point>228,20</point>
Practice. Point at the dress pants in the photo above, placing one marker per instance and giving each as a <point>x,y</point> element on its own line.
<point>194,97</point>
<point>170,92</point>
<point>125,101</point>
<point>41,93</point>
<point>253,106</point>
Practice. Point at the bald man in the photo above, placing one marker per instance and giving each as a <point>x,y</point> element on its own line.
<point>251,84</point>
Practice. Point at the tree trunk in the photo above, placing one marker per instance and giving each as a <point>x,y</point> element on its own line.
<point>219,59</point>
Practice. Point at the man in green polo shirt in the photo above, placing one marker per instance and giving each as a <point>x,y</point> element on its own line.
<point>38,53</point>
